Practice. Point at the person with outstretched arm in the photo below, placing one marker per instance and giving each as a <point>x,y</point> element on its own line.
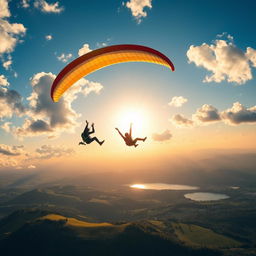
<point>127,137</point>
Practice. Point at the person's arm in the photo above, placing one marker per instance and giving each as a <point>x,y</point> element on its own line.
<point>93,130</point>
<point>120,133</point>
<point>86,127</point>
<point>130,130</point>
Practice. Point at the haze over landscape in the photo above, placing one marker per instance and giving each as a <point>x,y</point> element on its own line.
<point>188,189</point>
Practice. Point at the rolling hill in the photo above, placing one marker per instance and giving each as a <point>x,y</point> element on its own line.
<point>43,233</point>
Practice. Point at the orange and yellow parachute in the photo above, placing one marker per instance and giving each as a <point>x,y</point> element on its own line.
<point>103,57</point>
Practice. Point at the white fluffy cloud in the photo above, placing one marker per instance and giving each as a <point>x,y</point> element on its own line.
<point>137,8</point>
<point>166,135</point>
<point>206,114</point>
<point>45,117</point>
<point>251,55</point>
<point>7,63</point>
<point>42,116</point>
<point>3,81</point>
<point>10,101</point>
<point>238,114</point>
<point>85,49</point>
<point>9,32</point>
<point>4,9</point>
<point>225,60</point>
<point>177,101</point>
<point>64,57</point>
<point>45,7</point>
<point>11,150</point>
<point>48,37</point>
<point>25,3</point>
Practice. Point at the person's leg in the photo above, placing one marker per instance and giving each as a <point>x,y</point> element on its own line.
<point>97,140</point>
<point>81,143</point>
<point>135,140</point>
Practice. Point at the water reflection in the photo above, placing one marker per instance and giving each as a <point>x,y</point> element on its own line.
<point>205,196</point>
<point>163,186</point>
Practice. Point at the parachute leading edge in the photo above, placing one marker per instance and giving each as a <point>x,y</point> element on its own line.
<point>103,57</point>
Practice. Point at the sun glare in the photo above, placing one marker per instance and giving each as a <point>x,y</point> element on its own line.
<point>139,186</point>
<point>137,117</point>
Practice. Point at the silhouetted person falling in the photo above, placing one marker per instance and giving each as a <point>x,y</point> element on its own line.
<point>87,139</point>
<point>129,141</point>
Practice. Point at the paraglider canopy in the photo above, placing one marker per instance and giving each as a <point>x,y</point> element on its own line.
<point>103,57</point>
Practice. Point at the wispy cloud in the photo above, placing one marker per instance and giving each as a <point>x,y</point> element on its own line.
<point>45,7</point>
<point>164,136</point>
<point>31,166</point>
<point>7,64</point>
<point>11,150</point>
<point>48,151</point>
<point>25,3</point>
<point>8,162</point>
<point>64,57</point>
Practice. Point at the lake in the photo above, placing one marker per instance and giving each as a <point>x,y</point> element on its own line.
<point>162,186</point>
<point>205,196</point>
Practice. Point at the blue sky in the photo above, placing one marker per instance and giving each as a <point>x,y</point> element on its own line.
<point>169,26</point>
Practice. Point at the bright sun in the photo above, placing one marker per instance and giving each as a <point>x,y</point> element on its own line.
<point>137,117</point>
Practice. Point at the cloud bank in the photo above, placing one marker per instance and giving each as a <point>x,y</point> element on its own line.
<point>11,150</point>
<point>238,114</point>
<point>207,114</point>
